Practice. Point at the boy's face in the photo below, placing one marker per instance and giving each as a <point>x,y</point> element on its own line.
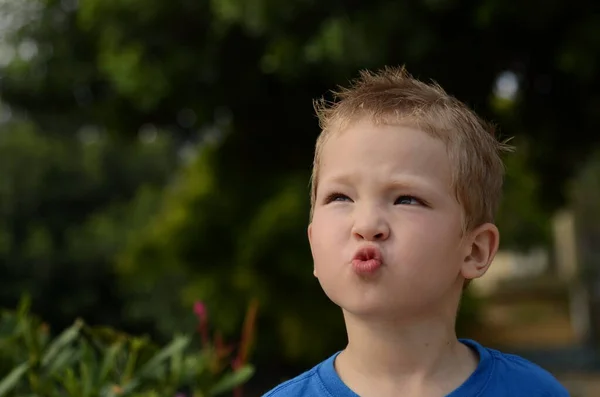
<point>388,189</point>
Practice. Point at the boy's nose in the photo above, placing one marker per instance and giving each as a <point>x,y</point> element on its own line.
<point>371,227</point>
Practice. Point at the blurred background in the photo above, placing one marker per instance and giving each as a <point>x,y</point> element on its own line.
<point>157,153</point>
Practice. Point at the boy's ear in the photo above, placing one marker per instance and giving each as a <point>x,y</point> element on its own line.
<point>309,230</point>
<point>482,246</point>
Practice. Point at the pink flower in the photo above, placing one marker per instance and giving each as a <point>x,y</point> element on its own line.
<point>200,310</point>
<point>202,314</point>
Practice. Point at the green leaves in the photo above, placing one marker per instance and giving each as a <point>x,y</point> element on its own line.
<point>68,206</point>
<point>231,380</point>
<point>12,379</point>
<point>66,338</point>
<point>98,362</point>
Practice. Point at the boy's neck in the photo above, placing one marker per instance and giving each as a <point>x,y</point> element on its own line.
<point>418,357</point>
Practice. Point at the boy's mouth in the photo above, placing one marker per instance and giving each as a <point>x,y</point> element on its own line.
<point>367,260</point>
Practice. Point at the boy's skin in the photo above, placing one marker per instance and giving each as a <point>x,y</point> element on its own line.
<point>400,308</point>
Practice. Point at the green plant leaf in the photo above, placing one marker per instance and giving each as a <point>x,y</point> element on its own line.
<point>177,345</point>
<point>68,336</point>
<point>108,363</point>
<point>27,331</point>
<point>176,367</point>
<point>12,379</point>
<point>69,381</point>
<point>231,380</point>
<point>86,378</point>
<point>24,306</point>
<point>62,360</point>
<point>151,368</point>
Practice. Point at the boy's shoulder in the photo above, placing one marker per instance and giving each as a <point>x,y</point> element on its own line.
<point>516,375</point>
<point>301,385</point>
<point>311,382</point>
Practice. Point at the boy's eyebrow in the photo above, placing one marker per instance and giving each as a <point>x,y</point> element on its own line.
<point>342,179</point>
<point>405,181</point>
<point>414,182</point>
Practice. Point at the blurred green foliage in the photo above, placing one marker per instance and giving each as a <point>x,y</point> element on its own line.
<point>86,361</point>
<point>68,206</point>
<point>158,152</point>
<point>522,219</point>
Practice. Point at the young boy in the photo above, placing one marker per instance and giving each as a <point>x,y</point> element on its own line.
<point>405,184</point>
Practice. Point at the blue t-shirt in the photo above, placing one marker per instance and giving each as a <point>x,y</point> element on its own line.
<point>497,375</point>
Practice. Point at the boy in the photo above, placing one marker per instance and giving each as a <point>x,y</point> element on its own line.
<point>405,184</point>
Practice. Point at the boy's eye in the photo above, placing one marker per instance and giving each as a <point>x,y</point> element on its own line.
<point>336,197</point>
<point>407,200</point>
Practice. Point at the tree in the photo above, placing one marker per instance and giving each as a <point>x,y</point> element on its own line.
<point>67,206</point>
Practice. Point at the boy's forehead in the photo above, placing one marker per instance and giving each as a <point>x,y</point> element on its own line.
<point>384,149</point>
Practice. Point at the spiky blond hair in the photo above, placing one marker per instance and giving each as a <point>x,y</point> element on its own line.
<point>393,96</point>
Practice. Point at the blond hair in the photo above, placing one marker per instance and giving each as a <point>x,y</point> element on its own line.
<point>391,96</point>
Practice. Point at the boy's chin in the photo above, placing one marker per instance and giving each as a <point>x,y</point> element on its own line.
<point>386,311</point>
<point>380,311</point>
